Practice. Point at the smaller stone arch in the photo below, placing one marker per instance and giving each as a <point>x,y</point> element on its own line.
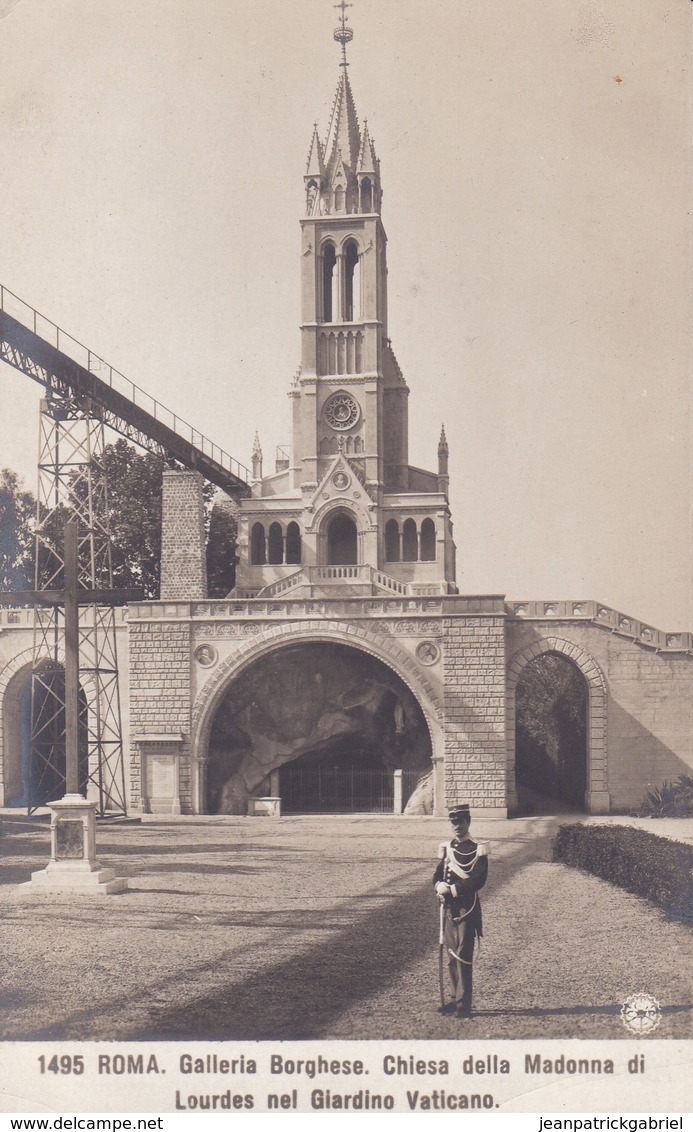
<point>342,539</point>
<point>597,796</point>
<point>275,544</point>
<point>13,685</point>
<point>23,664</point>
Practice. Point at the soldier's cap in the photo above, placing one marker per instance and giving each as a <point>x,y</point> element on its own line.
<point>459,813</point>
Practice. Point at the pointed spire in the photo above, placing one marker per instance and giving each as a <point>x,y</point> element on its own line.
<point>316,159</point>
<point>343,134</point>
<point>443,449</point>
<point>343,172</point>
<point>367,160</point>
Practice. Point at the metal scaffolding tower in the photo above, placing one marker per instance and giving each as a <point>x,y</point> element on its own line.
<point>72,485</point>
<point>84,394</point>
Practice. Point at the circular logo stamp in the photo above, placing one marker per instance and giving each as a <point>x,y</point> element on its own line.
<point>640,1013</point>
<point>206,655</point>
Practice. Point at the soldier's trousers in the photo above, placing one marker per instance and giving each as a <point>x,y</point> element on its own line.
<point>458,940</point>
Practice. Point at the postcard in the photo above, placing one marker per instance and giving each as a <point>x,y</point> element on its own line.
<point>346,611</point>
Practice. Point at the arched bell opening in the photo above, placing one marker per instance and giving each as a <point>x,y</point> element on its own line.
<point>329,283</point>
<point>352,285</point>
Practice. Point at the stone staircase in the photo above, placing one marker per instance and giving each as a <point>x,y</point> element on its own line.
<point>358,581</point>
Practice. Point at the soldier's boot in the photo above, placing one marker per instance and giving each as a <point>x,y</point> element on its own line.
<point>464,1006</point>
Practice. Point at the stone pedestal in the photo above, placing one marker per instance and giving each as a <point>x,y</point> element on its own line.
<point>264,807</point>
<point>73,866</point>
<point>397,793</point>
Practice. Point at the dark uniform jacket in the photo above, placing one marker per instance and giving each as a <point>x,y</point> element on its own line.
<point>463,901</point>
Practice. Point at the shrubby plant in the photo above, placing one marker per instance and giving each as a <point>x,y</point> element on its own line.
<point>672,800</point>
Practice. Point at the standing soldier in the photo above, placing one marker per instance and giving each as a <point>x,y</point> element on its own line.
<point>461,872</point>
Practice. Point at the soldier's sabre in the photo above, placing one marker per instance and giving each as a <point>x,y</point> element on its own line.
<point>441,936</point>
<point>441,945</point>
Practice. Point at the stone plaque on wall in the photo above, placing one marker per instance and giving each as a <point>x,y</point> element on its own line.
<point>161,776</point>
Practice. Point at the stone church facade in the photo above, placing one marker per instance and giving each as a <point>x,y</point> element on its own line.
<point>345,641</point>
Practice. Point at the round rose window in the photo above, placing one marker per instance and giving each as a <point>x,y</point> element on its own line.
<point>341,411</point>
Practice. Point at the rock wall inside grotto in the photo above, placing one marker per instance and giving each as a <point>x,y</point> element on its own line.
<point>321,704</point>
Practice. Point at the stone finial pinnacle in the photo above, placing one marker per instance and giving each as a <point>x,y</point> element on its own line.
<point>257,457</point>
<point>343,34</point>
<point>443,454</point>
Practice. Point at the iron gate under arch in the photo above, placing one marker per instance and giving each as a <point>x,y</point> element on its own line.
<point>342,790</point>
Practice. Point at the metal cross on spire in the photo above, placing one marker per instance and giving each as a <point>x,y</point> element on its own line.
<point>343,34</point>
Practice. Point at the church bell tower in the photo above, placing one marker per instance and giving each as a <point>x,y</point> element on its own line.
<point>350,381</point>
<point>346,496</point>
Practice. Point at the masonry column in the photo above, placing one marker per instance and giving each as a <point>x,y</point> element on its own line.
<point>475,755</point>
<point>183,557</point>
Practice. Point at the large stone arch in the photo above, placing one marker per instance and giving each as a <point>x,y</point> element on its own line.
<point>354,636</point>
<point>597,796</point>
<point>23,663</point>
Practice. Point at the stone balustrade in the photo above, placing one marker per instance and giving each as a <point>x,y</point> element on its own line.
<point>603,615</point>
<point>345,607</point>
<point>22,617</point>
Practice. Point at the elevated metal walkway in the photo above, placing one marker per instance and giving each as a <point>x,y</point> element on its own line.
<point>43,351</point>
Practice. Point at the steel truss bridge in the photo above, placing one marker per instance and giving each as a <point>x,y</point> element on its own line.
<point>84,395</point>
<point>69,371</point>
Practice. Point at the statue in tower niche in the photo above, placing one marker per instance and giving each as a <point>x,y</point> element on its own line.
<point>346,512</point>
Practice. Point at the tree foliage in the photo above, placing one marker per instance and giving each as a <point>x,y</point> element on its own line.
<point>17,513</point>
<point>221,545</point>
<point>134,504</point>
<point>134,513</point>
<point>134,482</point>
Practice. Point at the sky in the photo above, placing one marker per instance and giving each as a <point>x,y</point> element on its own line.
<point>536,165</point>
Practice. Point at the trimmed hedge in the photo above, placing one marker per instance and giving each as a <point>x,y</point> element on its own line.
<point>653,867</point>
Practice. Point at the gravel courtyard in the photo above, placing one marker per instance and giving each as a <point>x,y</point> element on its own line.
<point>302,927</point>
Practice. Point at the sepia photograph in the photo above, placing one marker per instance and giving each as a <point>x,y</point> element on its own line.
<point>346,556</point>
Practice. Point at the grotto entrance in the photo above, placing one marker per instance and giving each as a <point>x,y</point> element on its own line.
<point>324,726</point>
<point>551,709</point>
